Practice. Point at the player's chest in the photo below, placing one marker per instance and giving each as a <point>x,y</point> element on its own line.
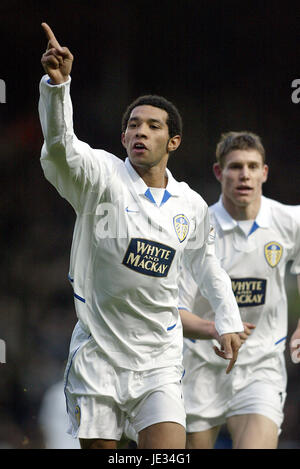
<point>264,251</point>
<point>255,265</point>
<point>124,215</point>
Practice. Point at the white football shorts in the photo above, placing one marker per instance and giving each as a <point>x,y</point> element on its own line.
<point>211,396</point>
<point>100,398</point>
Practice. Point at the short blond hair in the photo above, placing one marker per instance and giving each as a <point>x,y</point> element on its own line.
<point>243,140</point>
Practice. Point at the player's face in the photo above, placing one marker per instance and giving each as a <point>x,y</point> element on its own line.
<point>147,139</point>
<point>242,177</point>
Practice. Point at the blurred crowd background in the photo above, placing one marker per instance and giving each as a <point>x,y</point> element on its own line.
<point>227,65</point>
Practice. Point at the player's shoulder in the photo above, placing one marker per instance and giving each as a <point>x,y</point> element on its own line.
<point>186,190</point>
<point>106,155</point>
<point>192,197</point>
<point>279,209</point>
<point>108,160</point>
<point>285,217</point>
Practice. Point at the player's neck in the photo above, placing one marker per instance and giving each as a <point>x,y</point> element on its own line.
<point>154,176</point>
<point>240,211</point>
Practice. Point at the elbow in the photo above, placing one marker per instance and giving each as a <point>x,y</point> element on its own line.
<point>53,151</point>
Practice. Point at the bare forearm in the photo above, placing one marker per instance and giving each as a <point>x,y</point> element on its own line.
<point>195,327</point>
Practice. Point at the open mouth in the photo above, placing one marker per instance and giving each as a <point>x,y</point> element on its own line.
<point>139,146</point>
<point>244,189</point>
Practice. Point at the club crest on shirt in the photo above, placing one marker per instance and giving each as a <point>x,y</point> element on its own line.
<point>77,414</point>
<point>273,253</point>
<point>149,257</point>
<point>181,225</point>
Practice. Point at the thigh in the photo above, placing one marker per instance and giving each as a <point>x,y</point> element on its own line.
<point>92,386</point>
<point>157,410</point>
<point>97,444</point>
<point>256,414</point>
<point>206,390</point>
<point>95,418</point>
<point>253,431</point>
<point>164,404</point>
<point>202,440</point>
<point>162,435</point>
<point>260,398</point>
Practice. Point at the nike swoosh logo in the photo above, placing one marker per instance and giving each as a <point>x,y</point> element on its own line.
<point>131,211</point>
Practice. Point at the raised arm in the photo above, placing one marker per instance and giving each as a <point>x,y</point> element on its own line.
<point>72,166</point>
<point>57,61</point>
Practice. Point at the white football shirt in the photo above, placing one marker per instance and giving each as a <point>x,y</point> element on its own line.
<point>256,261</point>
<point>127,250</point>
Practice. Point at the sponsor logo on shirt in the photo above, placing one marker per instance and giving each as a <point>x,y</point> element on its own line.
<point>181,225</point>
<point>149,257</point>
<point>273,253</point>
<point>249,291</point>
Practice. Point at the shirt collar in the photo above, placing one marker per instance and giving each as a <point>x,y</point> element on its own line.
<point>264,215</point>
<point>225,220</point>
<point>263,219</point>
<point>172,189</point>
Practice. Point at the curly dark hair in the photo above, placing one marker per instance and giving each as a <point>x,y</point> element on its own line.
<point>174,120</point>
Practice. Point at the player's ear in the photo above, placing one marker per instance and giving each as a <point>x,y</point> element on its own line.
<point>217,171</point>
<point>265,172</point>
<point>174,143</point>
<point>123,139</point>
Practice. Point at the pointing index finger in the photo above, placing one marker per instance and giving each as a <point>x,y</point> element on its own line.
<point>50,36</point>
